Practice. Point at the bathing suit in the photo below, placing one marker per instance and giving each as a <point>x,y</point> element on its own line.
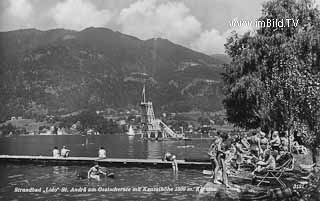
<point>254,145</point>
<point>264,143</point>
<point>213,151</point>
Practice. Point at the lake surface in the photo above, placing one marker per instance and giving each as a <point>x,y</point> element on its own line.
<point>118,146</point>
<point>185,185</point>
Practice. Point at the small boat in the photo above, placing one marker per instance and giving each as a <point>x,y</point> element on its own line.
<point>131,131</point>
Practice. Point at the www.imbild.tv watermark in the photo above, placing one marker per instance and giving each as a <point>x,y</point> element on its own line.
<point>268,23</point>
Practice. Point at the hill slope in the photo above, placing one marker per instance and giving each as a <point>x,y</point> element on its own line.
<point>61,71</point>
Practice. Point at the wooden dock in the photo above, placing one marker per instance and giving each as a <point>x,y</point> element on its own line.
<point>107,162</point>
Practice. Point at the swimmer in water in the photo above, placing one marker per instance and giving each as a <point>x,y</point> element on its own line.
<point>95,172</point>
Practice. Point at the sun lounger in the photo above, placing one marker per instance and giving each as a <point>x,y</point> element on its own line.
<point>268,175</point>
<point>245,143</point>
<point>299,148</point>
<point>307,168</point>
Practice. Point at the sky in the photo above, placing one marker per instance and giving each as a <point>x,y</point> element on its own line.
<point>201,25</point>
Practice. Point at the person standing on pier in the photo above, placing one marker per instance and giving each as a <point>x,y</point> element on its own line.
<point>221,157</point>
<point>213,152</point>
<point>65,152</point>
<point>102,153</point>
<point>56,152</point>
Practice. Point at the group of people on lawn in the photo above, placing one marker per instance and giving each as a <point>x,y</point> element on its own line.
<point>257,150</point>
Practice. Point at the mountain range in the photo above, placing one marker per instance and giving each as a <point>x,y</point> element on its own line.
<point>62,71</point>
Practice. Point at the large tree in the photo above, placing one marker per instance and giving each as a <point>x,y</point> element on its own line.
<point>273,79</point>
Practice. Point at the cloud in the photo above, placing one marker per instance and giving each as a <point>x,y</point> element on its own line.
<point>79,14</point>
<point>17,15</point>
<point>20,8</point>
<point>210,42</point>
<point>172,20</point>
<point>151,18</point>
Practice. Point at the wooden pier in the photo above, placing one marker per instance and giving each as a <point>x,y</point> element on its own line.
<point>107,162</point>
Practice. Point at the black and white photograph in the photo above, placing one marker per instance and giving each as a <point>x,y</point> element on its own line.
<point>165,100</point>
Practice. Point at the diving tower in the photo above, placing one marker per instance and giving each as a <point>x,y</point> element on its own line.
<point>153,128</point>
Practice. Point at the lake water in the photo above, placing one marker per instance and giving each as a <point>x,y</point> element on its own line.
<point>118,146</point>
<point>185,185</point>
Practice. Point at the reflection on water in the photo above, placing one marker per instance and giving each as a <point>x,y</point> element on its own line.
<point>154,149</point>
<point>131,146</point>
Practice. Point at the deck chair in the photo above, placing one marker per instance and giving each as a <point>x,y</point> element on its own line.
<point>307,168</point>
<point>245,143</point>
<point>299,148</point>
<point>287,165</point>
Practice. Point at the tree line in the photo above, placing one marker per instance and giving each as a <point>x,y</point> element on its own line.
<point>273,80</point>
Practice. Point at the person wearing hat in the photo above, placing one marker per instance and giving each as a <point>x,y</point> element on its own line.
<point>65,152</point>
<point>95,171</point>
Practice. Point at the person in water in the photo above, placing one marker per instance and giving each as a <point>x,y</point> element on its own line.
<point>56,152</point>
<point>102,153</point>
<point>94,172</point>
<point>65,152</point>
<point>170,157</point>
<point>213,152</point>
